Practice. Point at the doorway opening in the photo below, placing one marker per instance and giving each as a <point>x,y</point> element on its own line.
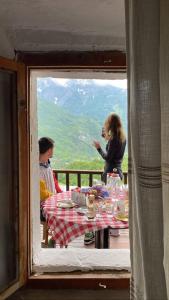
<point>70,107</point>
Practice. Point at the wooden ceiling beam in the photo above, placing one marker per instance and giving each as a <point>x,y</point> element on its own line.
<point>72,59</point>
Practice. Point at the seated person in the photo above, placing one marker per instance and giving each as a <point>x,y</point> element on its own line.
<point>48,183</point>
<point>44,192</point>
<point>46,146</point>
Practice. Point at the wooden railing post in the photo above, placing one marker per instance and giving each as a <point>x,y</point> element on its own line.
<point>78,179</point>
<point>125,178</point>
<point>80,172</point>
<point>90,179</point>
<point>67,181</point>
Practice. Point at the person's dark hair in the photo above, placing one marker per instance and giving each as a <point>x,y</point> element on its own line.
<point>45,144</point>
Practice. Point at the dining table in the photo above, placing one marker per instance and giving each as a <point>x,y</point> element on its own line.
<point>66,224</point>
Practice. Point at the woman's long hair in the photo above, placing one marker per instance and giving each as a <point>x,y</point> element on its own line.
<point>113,127</point>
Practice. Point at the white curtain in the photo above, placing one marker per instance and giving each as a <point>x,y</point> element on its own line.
<point>147,24</point>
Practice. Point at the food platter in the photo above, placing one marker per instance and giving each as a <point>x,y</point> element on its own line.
<point>66,204</point>
<point>122,217</point>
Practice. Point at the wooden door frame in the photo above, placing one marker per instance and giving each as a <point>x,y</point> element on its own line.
<point>78,280</point>
<point>105,61</point>
<point>108,60</point>
<point>23,151</point>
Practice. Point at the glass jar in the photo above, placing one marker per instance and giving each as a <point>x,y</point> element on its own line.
<point>91,211</point>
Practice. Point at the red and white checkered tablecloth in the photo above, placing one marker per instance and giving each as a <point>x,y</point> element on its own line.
<point>66,224</point>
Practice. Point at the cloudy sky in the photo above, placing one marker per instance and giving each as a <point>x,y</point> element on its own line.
<point>117,83</point>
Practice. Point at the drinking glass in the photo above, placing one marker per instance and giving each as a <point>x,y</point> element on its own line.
<point>110,208</point>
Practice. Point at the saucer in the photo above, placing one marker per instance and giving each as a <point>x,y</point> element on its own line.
<point>66,204</point>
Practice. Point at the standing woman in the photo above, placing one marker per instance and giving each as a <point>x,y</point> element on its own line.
<point>115,148</point>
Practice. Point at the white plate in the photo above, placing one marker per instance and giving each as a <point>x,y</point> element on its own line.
<point>66,204</point>
<point>81,210</point>
<point>90,220</point>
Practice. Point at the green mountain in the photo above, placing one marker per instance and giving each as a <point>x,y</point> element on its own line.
<point>72,134</point>
<point>73,114</point>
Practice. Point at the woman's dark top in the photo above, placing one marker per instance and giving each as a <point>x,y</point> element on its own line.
<point>113,156</point>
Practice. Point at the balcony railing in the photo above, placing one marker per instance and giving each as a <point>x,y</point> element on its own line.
<point>79,174</point>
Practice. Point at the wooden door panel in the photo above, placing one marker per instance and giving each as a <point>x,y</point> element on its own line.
<point>14,177</point>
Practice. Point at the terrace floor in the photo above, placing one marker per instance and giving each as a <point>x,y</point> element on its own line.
<point>120,242</point>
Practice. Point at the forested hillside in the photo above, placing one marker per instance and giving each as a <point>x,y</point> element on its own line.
<point>73,113</point>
